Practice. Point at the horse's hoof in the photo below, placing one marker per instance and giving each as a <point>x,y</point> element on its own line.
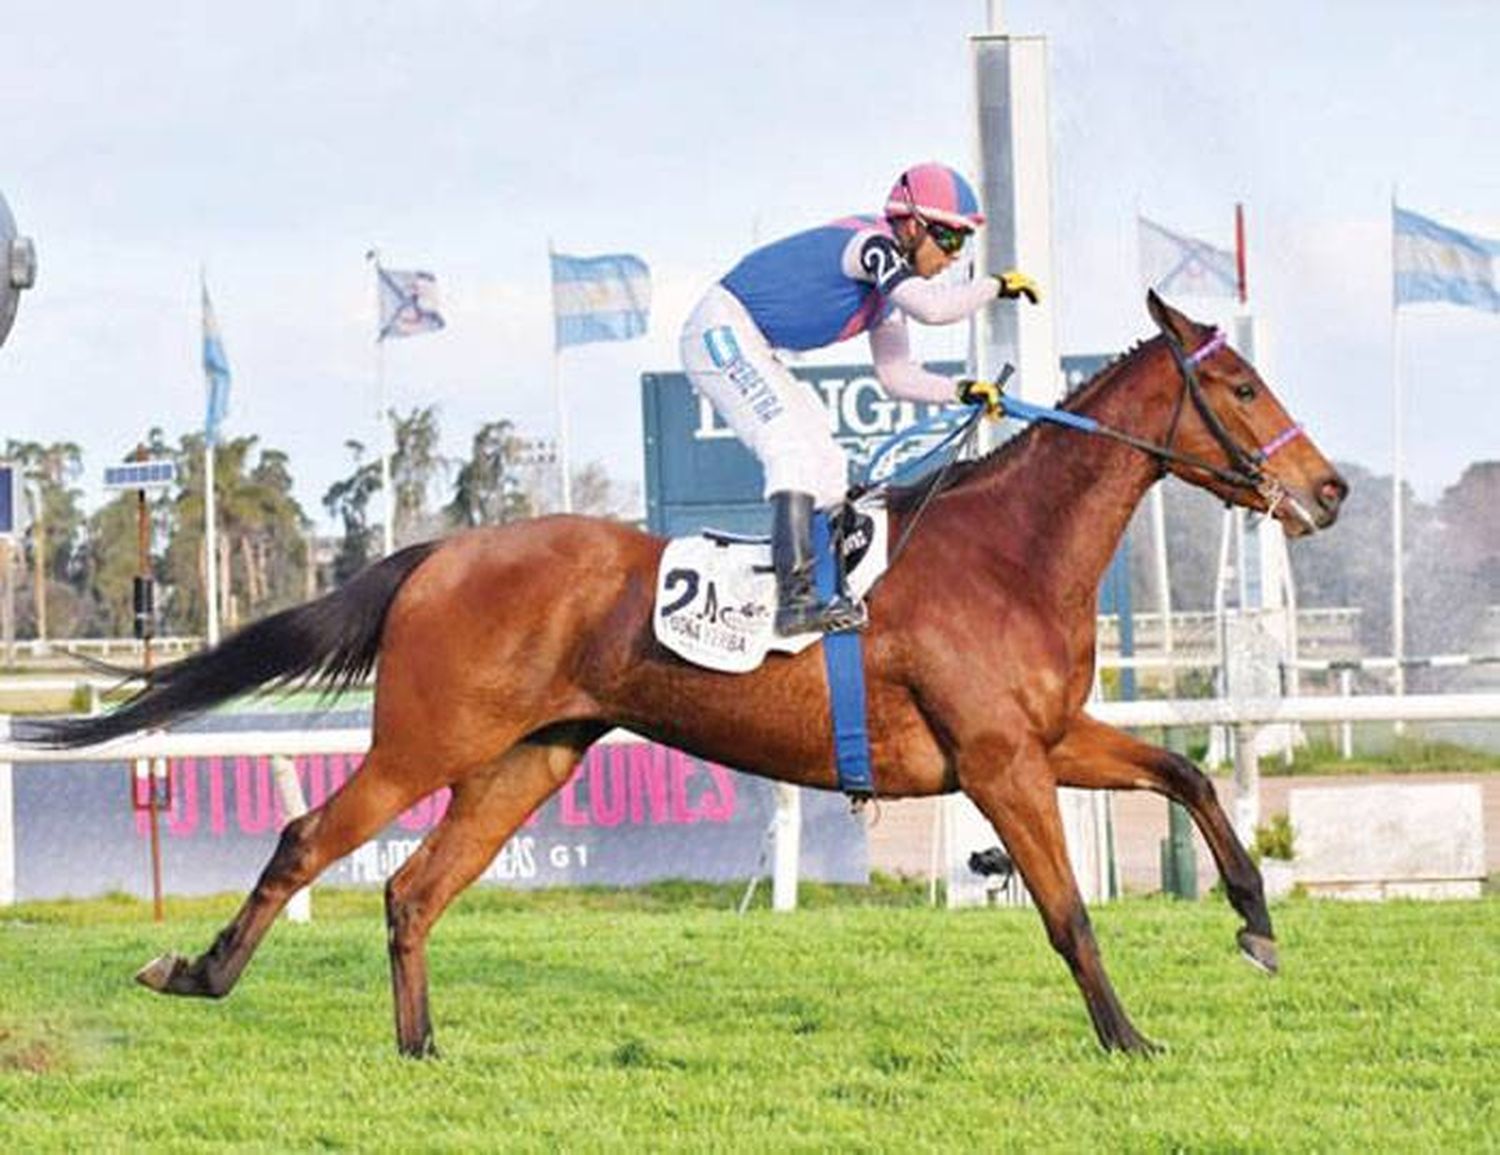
<point>158,973</point>
<point>1259,951</point>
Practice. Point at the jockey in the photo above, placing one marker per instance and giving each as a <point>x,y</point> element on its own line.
<point>815,288</point>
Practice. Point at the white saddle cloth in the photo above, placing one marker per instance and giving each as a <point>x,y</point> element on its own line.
<point>716,594</point>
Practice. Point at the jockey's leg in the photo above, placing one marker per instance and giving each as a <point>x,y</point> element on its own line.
<point>799,608</point>
<point>783,423</point>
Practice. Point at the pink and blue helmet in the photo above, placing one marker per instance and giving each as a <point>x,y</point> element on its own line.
<point>936,193</point>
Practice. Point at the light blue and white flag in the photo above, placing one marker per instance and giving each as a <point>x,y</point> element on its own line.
<point>1432,262</point>
<point>1179,266</point>
<point>604,298</point>
<point>215,372</point>
<point>408,303</point>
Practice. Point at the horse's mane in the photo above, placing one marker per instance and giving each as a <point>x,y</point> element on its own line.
<point>905,498</point>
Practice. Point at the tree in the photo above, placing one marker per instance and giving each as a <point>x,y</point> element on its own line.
<point>486,489</point>
<point>595,492</point>
<point>349,501</point>
<point>54,536</point>
<point>110,558</point>
<point>261,535</point>
<point>415,465</point>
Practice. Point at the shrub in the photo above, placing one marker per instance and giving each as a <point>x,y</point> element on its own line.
<point>1274,838</point>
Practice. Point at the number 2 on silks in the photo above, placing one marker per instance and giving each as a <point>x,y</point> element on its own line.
<point>686,578</point>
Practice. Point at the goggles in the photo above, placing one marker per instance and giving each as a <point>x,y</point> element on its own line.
<point>946,237</point>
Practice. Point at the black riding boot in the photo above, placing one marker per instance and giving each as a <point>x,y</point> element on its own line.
<point>798,609</point>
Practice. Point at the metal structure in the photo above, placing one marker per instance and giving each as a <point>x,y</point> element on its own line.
<point>17,268</point>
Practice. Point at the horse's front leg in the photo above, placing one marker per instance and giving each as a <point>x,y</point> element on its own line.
<point>1015,790</point>
<point>1099,757</point>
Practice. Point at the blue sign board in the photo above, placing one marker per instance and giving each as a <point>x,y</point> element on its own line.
<point>697,472</point>
<point>7,500</point>
<point>140,475</point>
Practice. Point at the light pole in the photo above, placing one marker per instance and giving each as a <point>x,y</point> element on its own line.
<point>38,561</point>
<point>17,268</point>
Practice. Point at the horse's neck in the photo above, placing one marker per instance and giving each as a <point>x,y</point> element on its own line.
<point>1082,488</point>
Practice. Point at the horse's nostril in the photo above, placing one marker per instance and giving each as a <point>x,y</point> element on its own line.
<point>1332,492</point>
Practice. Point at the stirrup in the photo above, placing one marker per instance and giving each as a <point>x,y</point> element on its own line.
<point>835,617</point>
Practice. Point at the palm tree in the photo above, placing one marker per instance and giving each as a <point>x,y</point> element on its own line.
<point>414,466</point>
<point>260,523</point>
<point>56,519</point>
<point>486,490</point>
<point>349,501</point>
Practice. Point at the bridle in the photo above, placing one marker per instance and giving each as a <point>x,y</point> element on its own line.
<point>1246,467</point>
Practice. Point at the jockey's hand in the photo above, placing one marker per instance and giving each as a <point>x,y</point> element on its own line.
<point>1014,283</point>
<point>983,393</point>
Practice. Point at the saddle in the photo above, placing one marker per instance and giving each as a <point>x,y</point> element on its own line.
<point>716,591</point>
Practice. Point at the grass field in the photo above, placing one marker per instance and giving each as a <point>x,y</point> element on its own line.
<point>660,1020</point>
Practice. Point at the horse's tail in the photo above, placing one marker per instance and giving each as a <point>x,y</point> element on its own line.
<point>330,642</point>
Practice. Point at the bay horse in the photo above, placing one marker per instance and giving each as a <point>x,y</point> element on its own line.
<point>505,652</point>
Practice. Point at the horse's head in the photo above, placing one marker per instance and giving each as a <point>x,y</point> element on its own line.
<point>1228,419</point>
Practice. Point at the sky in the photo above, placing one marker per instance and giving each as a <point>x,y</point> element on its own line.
<point>273,145</point>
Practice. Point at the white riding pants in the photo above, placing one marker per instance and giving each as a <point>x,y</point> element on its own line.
<point>779,418</point>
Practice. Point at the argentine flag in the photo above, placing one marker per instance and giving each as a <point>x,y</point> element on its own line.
<point>1432,262</point>
<point>604,298</point>
<point>215,372</point>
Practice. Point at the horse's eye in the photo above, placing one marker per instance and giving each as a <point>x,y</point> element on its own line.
<point>1245,392</point>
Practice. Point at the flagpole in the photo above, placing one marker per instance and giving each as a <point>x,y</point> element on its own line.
<point>1398,581</point>
<point>210,506</point>
<point>382,431</point>
<point>1239,254</point>
<point>211,538</point>
<point>560,399</point>
<point>563,458</point>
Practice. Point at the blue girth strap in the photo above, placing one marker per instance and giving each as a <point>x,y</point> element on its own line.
<point>844,658</point>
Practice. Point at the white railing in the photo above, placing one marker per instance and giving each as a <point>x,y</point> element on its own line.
<point>1246,716</point>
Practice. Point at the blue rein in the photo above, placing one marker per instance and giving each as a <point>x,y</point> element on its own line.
<point>955,424</point>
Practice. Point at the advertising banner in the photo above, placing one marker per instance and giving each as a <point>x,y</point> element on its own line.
<point>633,812</point>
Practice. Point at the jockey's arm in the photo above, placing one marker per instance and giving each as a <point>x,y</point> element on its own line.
<point>897,373</point>
<point>938,303</point>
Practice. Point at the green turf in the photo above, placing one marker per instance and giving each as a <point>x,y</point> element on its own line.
<point>664,1021</point>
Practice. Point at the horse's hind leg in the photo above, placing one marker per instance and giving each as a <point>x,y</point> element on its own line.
<point>1099,757</point>
<point>486,809</point>
<point>1016,792</point>
<point>360,808</point>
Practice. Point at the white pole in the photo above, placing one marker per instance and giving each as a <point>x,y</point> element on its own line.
<point>564,459</point>
<point>1398,454</point>
<point>7,824</point>
<point>788,847</point>
<point>382,424</point>
<point>1245,812</point>
<point>1163,574</point>
<point>211,537</point>
<point>384,431</point>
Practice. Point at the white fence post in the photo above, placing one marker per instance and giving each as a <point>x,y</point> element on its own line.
<point>7,824</point>
<point>1346,728</point>
<point>788,850</point>
<point>1246,783</point>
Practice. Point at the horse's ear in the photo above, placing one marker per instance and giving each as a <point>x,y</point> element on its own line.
<point>1169,320</point>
